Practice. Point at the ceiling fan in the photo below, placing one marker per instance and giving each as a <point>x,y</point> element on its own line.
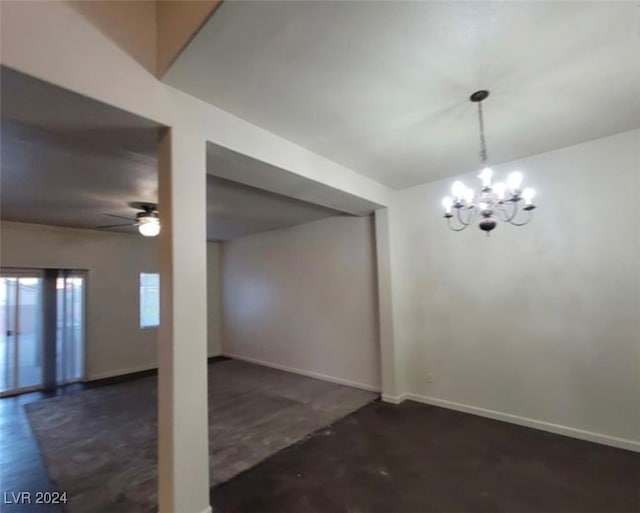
<point>147,220</point>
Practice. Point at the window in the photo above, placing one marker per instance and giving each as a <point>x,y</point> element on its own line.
<point>149,300</point>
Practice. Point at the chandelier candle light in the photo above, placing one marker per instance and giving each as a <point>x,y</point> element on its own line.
<point>505,202</point>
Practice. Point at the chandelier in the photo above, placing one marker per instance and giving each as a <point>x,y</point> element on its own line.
<point>506,202</point>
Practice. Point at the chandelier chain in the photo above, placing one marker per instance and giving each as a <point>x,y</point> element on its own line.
<point>483,144</point>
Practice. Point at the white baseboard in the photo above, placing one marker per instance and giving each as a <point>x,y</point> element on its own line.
<point>589,436</point>
<point>208,510</point>
<point>310,374</point>
<point>393,399</point>
<point>130,370</point>
<point>120,372</point>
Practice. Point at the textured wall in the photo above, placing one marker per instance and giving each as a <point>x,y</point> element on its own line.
<point>540,322</point>
<point>304,298</point>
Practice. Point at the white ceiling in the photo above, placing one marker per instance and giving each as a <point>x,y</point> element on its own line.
<point>230,165</point>
<point>68,160</point>
<point>235,210</point>
<point>59,180</point>
<point>52,177</point>
<point>382,87</point>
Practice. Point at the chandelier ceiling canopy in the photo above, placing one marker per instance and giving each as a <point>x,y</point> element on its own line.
<point>506,202</point>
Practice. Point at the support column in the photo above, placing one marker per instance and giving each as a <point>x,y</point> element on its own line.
<point>183,440</point>
<point>390,391</point>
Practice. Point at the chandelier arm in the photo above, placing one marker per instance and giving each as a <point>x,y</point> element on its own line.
<point>528,218</point>
<point>474,215</point>
<point>459,218</point>
<point>502,212</point>
<point>470,217</point>
<point>514,212</point>
<point>453,228</point>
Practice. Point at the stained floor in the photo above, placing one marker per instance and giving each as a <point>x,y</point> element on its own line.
<point>100,445</point>
<point>21,465</point>
<point>410,458</point>
<point>415,458</point>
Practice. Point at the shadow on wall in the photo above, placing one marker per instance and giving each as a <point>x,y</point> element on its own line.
<point>134,27</point>
<point>130,25</point>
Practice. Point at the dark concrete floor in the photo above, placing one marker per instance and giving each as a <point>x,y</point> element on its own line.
<point>100,446</point>
<point>22,468</point>
<point>416,458</point>
<point>21,465</point>
<point>410,458</point>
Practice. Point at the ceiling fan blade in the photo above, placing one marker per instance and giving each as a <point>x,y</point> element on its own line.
<point>113,226</point>
<point>119,217</point>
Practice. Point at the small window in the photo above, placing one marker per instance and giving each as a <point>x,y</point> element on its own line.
<point>149,300</point>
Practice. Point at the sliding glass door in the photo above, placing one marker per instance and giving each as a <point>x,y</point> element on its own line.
<point>42,328</point>
<point>21,364</point>
<point>70,327</point>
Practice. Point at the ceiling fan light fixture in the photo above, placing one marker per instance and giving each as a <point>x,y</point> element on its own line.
<point>147,221</point>
<point>149,226</point>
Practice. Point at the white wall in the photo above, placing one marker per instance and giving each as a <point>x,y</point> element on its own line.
<point>304,298</point>
<point>115,342</point>
<point>539,324</point>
